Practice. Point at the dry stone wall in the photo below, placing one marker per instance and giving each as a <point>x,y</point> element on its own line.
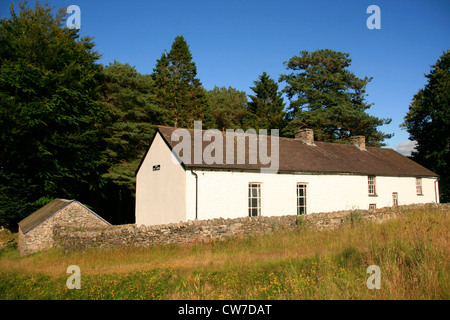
<point>70,239</point>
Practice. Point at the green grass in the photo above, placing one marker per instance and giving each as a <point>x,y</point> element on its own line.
<point>412,252</point>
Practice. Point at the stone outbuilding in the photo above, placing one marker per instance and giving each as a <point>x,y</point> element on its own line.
<point>36,230</point>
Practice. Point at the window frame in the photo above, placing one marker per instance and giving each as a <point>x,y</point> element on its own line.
<point>419,186</point>
<point>304,207</point>
<point>258,187</point>
<point>395,199</point>
<point>372,186</point>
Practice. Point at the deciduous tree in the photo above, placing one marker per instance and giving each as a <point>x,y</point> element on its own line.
<point>49,109</point>
<point>228,107</point>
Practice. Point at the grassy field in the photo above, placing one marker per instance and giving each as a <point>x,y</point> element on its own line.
<point>412,252</point>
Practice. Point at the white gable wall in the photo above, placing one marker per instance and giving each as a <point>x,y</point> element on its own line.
<point>225,193</point>
<point>161,194</point>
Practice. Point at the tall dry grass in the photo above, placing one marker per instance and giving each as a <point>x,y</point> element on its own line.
<point>411,250</point>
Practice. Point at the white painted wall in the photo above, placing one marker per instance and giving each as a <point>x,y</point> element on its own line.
<point>406,189</point>
<point>225,193</point>
<point>160,195</point>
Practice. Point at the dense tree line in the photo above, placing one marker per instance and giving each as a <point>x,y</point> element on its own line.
<point>73,128</point>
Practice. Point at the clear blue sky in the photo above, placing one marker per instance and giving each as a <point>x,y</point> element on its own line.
<point>233,42</point>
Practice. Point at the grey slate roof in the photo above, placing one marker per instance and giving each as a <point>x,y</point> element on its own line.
<point>47,211</point>
<point>295,156</point>
<point>43,214</point>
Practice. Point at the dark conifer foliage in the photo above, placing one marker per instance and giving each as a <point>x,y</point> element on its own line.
<point>328,98</point>
<point>267,105</point>
<point>178,91</point>
<point>428,123</point>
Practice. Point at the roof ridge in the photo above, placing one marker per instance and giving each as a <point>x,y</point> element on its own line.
<point>333,157</point>
<point>65,200</point>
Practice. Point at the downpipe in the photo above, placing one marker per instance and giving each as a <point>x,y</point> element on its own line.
<point>196,193</point>
<point>436,195</point>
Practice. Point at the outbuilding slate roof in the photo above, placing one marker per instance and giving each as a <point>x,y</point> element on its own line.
<point>295,156</point>
<point>47,211</point>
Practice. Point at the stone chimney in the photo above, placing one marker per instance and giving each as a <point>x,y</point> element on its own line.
<point>305,135</point>
<point>359,142</point>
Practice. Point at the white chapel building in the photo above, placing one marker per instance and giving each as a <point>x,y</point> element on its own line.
<point>312,176</point>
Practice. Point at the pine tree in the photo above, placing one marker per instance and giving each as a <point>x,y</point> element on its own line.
<point>267,104</point>
<point>177,90</point>
<point>328,98</point>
